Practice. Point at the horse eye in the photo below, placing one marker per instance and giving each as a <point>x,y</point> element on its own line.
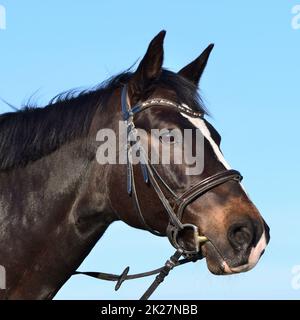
<point>168,137</point>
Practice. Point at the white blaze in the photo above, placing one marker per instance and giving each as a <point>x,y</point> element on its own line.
<point>262,243</point>
<point>200,124</point>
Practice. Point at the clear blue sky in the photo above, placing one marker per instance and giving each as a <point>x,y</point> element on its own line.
<point>251,86</point>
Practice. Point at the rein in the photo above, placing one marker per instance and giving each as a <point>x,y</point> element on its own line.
<point>174,212</point>
<point>162,272</point>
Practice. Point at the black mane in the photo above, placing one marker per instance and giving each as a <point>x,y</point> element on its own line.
<point>33,132</point>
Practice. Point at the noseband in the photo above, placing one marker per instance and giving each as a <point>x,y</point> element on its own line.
<point>151,175</point>
<point>174,204</point>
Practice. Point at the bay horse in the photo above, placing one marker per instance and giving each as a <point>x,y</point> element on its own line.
<point>56,200</point>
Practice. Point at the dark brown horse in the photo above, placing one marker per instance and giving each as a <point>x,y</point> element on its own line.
<point>56,200</point>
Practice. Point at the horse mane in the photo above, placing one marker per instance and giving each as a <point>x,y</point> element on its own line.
<point>31,133</point>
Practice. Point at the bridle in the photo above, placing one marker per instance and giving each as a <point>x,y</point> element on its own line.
<point>175,207</point>
<point>151,175</point>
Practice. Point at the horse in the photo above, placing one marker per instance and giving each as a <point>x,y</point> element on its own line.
<point>57,200</point>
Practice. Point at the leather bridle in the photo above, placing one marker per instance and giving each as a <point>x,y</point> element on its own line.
<point>174,204</point>
<point>151,175</point>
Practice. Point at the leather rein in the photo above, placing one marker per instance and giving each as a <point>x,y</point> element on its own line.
<point>174,208</point>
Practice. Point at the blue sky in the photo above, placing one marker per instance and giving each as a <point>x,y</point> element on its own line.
<point>251,87</point>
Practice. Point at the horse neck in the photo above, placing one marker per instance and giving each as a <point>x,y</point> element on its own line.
<point>55,210</point>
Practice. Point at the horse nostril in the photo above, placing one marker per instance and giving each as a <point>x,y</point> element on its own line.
<point>240,236</point>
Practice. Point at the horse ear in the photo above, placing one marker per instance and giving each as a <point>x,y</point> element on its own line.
<point>151,65</point>
<point>194,70</point>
